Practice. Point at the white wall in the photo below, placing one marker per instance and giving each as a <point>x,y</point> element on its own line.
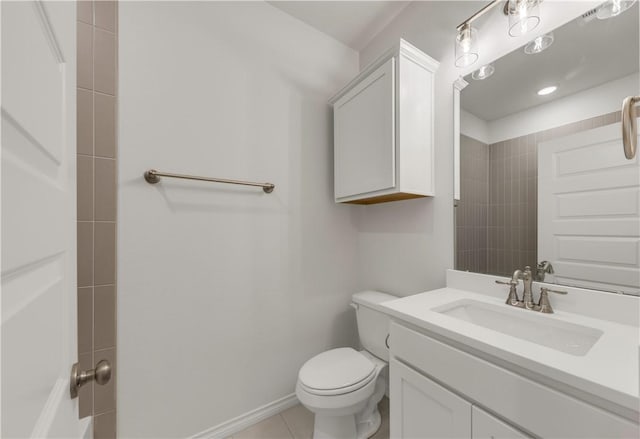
<point>225,291</point>
<point>406,246</point>
<point>474,127</point>
<point>596,101</point>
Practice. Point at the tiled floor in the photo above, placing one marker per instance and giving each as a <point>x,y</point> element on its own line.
<point>297,423</point>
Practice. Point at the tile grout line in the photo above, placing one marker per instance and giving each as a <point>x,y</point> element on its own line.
<point>286,424</point>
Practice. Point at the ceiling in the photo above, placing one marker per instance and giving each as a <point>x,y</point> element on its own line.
<point>583,55</point>
<point>353,23</point>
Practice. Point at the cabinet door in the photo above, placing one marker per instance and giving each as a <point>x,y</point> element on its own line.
<point>422,409</point>
<point>364,139</point>
<point>485,426</point>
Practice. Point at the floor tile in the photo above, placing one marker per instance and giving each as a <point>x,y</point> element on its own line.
<point>300,421</point>
<point>271,428</point>
<point>297,423</point>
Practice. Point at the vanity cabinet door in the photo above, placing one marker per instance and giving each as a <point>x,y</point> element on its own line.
<point>422,409</point>
<point>485,426</point>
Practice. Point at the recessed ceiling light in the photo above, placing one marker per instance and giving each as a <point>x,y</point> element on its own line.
<point>547,90</point>
<point>483,72</point>
<point>539,44</point>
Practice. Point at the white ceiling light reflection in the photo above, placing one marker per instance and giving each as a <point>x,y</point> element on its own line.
<point>539,44</point>
<point>547,90</point>
<point>483,72</point>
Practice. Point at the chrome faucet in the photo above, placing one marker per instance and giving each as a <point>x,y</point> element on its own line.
<point>527,279</point>
<point>542,269</point>
<point>527,302</point>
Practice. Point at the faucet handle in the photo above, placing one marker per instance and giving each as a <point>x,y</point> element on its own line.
<point>508,282</point>
<point>545,290</point>
<point>513,294</point>
<point>544,306</point>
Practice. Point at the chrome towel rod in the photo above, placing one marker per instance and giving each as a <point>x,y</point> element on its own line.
<point>152,176</point>
<point>629,129</point>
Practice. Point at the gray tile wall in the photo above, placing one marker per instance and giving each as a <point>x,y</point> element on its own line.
<point>509,171</point>
<point>96,166</point>
<point>472,209</point>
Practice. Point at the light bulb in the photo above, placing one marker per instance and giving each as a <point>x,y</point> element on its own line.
<point>539,44</point>
<point>483,72</point>
<point>613,8</point>
<point>616,9</point>
<point>524,16</point>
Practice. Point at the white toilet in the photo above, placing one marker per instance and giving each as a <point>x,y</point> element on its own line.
<point>342,387</point>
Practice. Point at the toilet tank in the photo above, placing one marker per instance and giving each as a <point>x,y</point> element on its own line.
<point>373,325</point>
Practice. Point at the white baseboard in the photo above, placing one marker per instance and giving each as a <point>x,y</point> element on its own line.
<point>228,428</point>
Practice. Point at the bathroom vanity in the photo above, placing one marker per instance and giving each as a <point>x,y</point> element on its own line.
<point>465,364</point>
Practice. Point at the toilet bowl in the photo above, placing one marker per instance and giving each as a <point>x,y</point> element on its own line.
<point>342,386</point>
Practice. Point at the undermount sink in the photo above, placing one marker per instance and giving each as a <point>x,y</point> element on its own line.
<point>526,325</point>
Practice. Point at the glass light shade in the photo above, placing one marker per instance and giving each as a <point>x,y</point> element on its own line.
<point>539,44</point>
<point>524,16</point>
<point>612,8</point>
<point>483,72</point>
<point>466,46</point>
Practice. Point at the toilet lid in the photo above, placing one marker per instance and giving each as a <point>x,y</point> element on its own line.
<point>335,369</point>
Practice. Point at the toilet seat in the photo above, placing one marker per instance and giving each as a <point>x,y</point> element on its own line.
<point>336,372</point>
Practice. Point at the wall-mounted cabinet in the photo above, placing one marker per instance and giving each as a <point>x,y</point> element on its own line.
<point>383,130</point>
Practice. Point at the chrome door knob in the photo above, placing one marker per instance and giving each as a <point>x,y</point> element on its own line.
<point>101,375</point>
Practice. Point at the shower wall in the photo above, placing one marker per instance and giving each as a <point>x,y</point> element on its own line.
<point>472,209</point>
<point>225,291</point>
<point>97,28</point>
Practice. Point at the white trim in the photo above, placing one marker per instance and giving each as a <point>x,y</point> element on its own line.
<point>404,48</point>
<point>458,85</point>
<point>241,422</point>
<point>47,28</point>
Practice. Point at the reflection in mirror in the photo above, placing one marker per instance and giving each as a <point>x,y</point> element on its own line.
<point>544,181</point>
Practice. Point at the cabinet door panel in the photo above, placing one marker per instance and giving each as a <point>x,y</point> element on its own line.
<point>364,135</point>
<point>422,409</point>
<point>485,426</point>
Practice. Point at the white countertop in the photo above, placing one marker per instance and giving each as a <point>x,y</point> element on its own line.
<point>609,370</point>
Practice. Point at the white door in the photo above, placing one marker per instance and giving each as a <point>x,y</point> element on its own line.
<point>38,220</point>
<point>589,210</point>
<point>422,409</point>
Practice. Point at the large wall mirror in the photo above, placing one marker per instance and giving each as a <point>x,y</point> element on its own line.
<point>543,178</point>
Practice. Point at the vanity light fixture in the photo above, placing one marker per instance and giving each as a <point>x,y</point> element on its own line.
<point>613,8</point>
<point>483,72</point>
<point>547,90</point>
<point>539,44</point>
<point>524,16</point>
<point>466,46</point>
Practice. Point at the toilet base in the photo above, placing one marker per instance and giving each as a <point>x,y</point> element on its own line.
<point>361,425</point>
